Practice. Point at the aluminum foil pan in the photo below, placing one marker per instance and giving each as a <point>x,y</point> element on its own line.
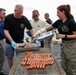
<point>30,47</point>
<point>45,35</point>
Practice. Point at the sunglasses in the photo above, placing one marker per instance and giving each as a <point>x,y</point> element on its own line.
<point>35,15</point>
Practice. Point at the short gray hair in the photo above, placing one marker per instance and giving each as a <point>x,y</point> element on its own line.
<point>19,6</point>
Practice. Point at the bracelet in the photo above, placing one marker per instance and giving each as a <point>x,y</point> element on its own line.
<point>66,36</point>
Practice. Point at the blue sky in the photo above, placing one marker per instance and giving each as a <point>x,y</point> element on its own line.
<point>42,5</point>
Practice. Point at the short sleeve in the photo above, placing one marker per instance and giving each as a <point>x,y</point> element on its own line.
<point>56,23</point>
<point>28,24</point>
<point>45,23</point>
<point>72,25</point>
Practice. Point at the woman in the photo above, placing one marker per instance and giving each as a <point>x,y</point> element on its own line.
<point>67,31</point>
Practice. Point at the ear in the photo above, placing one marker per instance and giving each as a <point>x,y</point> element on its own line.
<point>63,11</point>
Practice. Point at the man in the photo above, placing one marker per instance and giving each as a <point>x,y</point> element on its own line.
<point>48,20</point>
<point>37,23</point>
<point>2,17</point>
<point>14,26</point>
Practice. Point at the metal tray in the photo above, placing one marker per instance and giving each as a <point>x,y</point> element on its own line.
<point>32,46</point>
<point>45,35</point>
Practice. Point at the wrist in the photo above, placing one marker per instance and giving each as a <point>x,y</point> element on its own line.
<point>66,36</point>
<point>13,44</point>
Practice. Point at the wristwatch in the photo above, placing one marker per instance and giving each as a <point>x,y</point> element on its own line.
<point>66,36</point>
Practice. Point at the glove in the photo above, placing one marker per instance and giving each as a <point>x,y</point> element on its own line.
<point>42,30</point>
<point>24,40</point>
<point>38,43</point>
<point>13,44</point>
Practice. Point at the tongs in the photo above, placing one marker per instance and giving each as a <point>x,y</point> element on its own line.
<point>33,39</point>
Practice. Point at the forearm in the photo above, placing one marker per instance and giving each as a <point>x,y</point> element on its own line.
<point>32,31</point>
<point>49,27</point>
<point>71,36</point>
<point>8,35</point>
<point>42,30</point>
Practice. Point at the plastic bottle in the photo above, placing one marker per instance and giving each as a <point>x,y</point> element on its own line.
<point>57,32</point>
<point>56,40</point>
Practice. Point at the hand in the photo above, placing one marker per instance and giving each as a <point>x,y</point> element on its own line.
<point>38,43</point>
<point>54,31</point>
<point>24,40</point>
<point>60,36</point>
<point>13,44</point>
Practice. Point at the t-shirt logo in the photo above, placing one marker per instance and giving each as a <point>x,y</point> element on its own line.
<point>38,25</point>
<point>22,26</point>
<point>65,29</point>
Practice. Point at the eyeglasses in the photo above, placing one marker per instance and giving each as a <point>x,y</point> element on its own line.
<point>35,15</point>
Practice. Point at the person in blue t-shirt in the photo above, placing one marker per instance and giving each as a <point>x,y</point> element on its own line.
<point>2,36</point>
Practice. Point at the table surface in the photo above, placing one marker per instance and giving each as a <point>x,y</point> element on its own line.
<point>18,69</point>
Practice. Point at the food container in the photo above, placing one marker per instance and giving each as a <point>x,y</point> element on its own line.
<point>28,47</point>
<point>46,38</point>
<point>45,35</point>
